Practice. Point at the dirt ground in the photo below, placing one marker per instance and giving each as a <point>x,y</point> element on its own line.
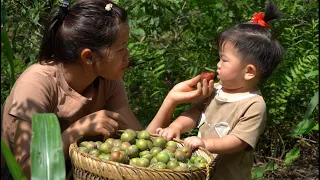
<point>306,167</point>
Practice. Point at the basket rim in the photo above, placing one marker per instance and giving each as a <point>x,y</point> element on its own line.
<point>75,148</point>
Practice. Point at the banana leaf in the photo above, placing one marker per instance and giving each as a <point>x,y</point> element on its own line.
<point>47,159</point>
<point>12,164</point>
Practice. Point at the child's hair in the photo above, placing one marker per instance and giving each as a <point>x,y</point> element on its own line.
<point>255,44</point>
<point>86,24</point>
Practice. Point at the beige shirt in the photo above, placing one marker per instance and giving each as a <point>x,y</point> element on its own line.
<point>43,89</point>
<point>244,118</point>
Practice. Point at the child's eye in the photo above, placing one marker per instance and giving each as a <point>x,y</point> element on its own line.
<point>121,49</point>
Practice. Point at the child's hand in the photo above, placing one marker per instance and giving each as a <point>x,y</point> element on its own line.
<point>194,142</point>
<point>168,133</point>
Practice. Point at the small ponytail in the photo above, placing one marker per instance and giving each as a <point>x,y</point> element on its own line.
<point>271,12</point>
<point>46,51</point>
<point>47,44</point>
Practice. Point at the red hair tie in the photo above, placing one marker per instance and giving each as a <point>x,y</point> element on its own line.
<point>258,18</point>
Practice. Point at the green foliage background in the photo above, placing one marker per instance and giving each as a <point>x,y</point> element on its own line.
<point>174,40</point>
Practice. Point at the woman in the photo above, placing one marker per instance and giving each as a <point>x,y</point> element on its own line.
<point>78,77</point>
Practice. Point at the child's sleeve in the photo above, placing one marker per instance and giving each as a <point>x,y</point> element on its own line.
<point>202,104</point>
<point>251,124</point>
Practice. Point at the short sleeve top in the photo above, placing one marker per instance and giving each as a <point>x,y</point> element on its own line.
<point>43,89</point>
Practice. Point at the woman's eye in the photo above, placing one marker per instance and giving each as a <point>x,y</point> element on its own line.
<point>121,49</point>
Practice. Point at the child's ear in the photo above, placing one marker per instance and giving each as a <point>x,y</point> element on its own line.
<point>86,57</point>
<point>251,72</point>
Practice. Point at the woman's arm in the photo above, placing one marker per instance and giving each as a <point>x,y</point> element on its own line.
<point>129,119</point>
<point>183,123</point>
<point>21,149</point>
<point>187,120</point>
<point>163,116</point>
<point>180,93</point>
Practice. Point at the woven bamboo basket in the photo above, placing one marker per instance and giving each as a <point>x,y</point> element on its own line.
<point>87,167</point>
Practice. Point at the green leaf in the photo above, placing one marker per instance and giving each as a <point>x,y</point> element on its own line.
<point>160,73</point>
<point>9,54</point>
<point>257,172</point>
<point>271,166</point>
<point>36,18</point>
<point>138,32</point>
<point>316,127</point>
<point>209,69</point>
<point>306,125</point>
<point>288,78</point>
<point>303,127</point>
<point>293,73</point>
<point>12,164</point>
<point>312,74</point>
<point>155,93</point>
<point>47,158</point>
<point>160,52</point>
<point>292,155</point>
<point>3,14</point>
<point>159,68</point>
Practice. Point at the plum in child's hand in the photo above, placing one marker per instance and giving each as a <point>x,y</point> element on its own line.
<point>206,75</point>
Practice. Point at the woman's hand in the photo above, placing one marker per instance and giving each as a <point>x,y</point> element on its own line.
<point>101,122</point>
<point>194,142</point>
<point>184,92</point>
<point>169,133</point>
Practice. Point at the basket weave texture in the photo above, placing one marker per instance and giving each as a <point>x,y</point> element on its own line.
<point>87,167</point>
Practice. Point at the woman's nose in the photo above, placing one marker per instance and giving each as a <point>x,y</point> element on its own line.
<point>126,57</point>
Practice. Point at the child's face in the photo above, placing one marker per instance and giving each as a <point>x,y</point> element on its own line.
<point>230,70</point>
<point>115,59</point>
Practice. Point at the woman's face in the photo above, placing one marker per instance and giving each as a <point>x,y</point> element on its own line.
<point>230,69</point>
<point>114,60</point>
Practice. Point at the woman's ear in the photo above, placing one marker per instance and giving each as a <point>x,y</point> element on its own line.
<point>251,72</point>
<point>86,56</point>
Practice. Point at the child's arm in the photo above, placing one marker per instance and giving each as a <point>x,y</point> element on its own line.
<point>225,145</point>
<point>185,122</point>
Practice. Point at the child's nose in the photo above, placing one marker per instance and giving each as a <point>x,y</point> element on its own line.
<point>219,64</point>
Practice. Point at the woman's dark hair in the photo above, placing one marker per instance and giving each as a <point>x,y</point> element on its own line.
<point>255,43</point>
<point>85,24</point>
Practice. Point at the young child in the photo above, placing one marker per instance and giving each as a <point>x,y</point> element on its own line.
<point>78,77</point>
<point>234,116</point>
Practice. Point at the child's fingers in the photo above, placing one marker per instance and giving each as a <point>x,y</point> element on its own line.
<point>170,136</point>
<point>158,130</point>
<point>191,142</point>
<point>165,133</point>
<point>187,141</point>
<point>161,131</point>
